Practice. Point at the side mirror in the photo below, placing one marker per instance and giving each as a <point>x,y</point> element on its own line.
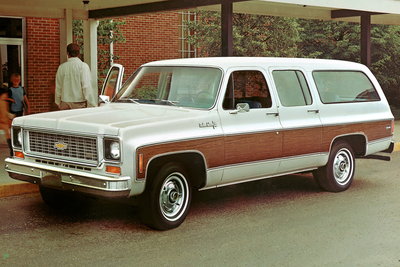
<point>104,99</point>
<point>242,107</point>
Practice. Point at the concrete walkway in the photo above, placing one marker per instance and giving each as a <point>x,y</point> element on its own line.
<point>9,186</point>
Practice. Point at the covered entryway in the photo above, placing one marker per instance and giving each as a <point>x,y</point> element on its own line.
<point>364,12</point>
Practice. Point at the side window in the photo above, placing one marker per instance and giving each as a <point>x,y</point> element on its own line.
<point>292,88</point>
<point>344,86</point>
<point>247,87</point>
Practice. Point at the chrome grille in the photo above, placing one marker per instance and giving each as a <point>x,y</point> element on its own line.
<point>65,146</point>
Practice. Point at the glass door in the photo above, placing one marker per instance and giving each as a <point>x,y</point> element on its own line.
<point>11,48</point>
<point>11,59</point>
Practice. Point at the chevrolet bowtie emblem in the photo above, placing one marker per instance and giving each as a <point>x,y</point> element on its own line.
<point>60,145</point>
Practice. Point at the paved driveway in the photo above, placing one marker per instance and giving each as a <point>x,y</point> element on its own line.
<point>283,221</point>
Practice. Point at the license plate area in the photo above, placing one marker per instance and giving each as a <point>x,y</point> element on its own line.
<point>51,179</point>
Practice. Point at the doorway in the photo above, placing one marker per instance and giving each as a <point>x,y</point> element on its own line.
<point>11,49</point>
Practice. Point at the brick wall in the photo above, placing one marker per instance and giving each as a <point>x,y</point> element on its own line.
<point>149,37</point>
<point>43,58</point>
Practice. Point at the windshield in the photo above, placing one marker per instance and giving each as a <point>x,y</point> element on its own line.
<point>178,86</point>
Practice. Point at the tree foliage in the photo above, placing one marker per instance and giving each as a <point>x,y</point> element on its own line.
<point>107,32</point>
<point>253,35</point>
<point>289,37</point>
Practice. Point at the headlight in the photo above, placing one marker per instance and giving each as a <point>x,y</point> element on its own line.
<point>17,137</point>
<point>115,150</point>
<point>112,149</point>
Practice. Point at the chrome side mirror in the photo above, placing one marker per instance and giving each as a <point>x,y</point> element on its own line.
<point>242,107</point>
<point>104,99</point>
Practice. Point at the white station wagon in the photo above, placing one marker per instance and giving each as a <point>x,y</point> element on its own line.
<point>195,124</point>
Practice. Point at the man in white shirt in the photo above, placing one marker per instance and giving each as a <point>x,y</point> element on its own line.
<point>73,83</point>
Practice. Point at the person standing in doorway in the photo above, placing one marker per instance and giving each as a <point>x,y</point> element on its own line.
<point>20,104</point>
<point>73,83</point>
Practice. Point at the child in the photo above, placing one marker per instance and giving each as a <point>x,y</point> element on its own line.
<point>17,93</point>
<point>5,116</point>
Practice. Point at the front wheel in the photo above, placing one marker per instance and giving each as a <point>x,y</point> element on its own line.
<point>337,175</point>
<point>166,200</point>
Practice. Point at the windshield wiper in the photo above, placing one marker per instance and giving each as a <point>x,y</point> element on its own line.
<point>127,99</point>
<point>170,102</point>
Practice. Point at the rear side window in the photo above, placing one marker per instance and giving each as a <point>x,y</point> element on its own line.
<point>344,87</point>
<point>292,88</point>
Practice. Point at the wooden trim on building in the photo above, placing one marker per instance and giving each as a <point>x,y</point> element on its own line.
<point>153,7</point>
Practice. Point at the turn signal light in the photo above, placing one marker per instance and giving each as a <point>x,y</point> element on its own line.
<point>113,169</point>
<point>392,127</point>
<point>140,163</point>
<point>19,154</point>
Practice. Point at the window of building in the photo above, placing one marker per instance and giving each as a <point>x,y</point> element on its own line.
<point>10,28</point>
<point>344,86</point>
<point>11,49</point>
<point>186,49</point>
<point>247,87</point>
<point>292,88</point>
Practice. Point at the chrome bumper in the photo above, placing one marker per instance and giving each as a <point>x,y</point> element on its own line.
<point>65,179</point>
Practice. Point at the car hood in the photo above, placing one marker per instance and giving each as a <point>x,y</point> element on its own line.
<point>108,119</point>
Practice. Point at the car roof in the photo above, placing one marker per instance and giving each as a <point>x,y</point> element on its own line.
<point>229,62</point>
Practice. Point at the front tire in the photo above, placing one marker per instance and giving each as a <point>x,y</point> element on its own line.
<point>337,175</point>
<point>166,200</point>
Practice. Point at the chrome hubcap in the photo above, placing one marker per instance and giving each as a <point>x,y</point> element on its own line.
<point>174,196</point>
<point>343,166</point>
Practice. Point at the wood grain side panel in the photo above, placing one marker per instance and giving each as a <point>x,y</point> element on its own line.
<point>373,131</point>
<point>212,149</point>
<point>302,141</point>
<point>236,149</point>
<point>377,130</point>
<point>252,147</point>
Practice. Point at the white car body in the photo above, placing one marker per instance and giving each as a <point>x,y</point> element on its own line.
<point>227,146</point>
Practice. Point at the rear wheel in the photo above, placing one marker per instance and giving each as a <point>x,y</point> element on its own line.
<point>166,200</point>
<point>337,175</point>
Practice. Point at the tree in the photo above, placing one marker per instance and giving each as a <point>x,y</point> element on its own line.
<point>385,57</point>
<point>107,32</point>
<point>253,35</point>
<point>287,37</point>
<point>341,40</point>
<point>329,39</point>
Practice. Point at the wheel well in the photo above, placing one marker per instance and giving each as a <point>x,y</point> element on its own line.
<point>192,162</point>
<point>357,142</point>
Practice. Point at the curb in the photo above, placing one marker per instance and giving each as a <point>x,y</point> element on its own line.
<point>8,190</point>
<point>396,147</point>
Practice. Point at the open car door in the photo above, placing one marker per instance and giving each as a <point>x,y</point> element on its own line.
<point>112,83</point>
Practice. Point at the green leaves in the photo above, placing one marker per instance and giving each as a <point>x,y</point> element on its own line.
<point>253,35</point>
<point>288,37</point>
<point>108,31</point>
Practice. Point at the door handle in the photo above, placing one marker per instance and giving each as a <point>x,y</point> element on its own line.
<point>313,110</point>
<point>276,114</point>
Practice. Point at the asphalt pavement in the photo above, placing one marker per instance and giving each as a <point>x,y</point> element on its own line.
<point>285,221</point>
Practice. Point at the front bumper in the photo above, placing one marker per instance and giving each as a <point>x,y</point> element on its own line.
<point>65,179</point>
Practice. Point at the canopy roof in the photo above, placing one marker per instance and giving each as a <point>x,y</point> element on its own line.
<point>388,10</point>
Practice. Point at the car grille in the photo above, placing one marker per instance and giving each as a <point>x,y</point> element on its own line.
<point>63,146</point>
